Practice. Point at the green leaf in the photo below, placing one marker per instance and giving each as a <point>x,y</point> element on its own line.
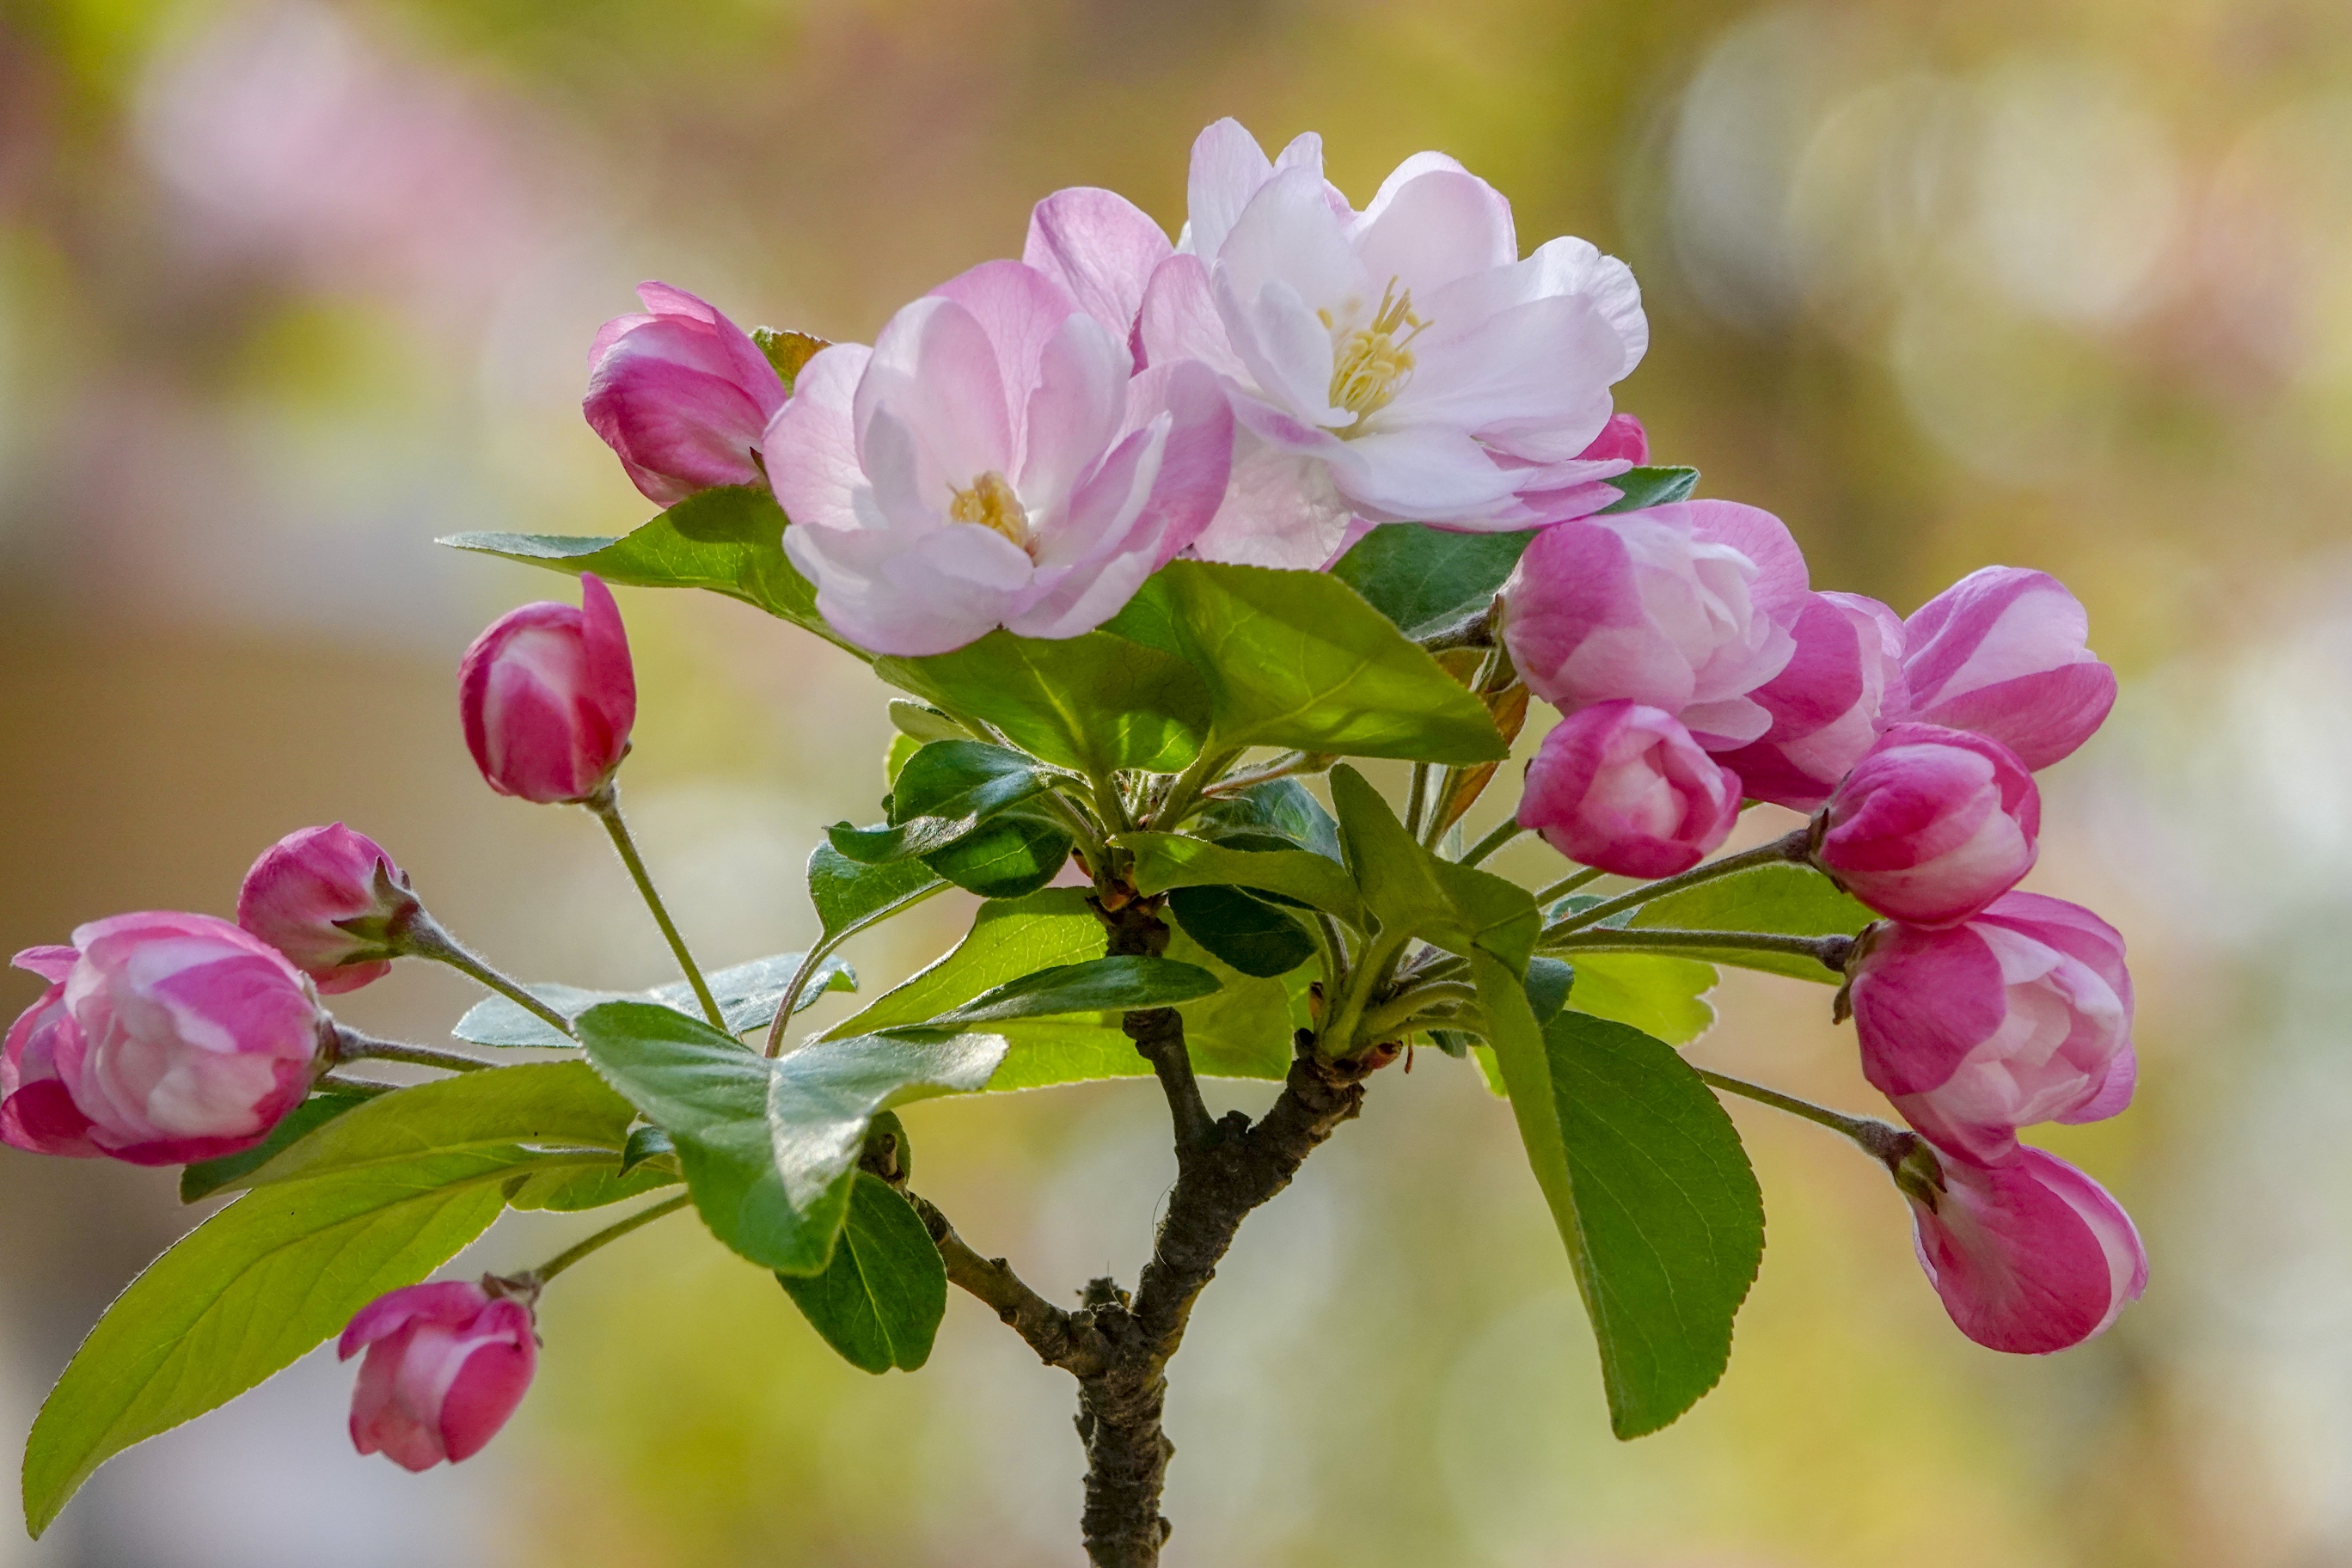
<point>1643,487</point>
<point>1295,659</point>
<point>1009,858</point>
<point>946,790</point>
<point>647,1144</point>
<point>206,1177</point>
<point>1249,933</point>
<point>1425,579</point>
<point>1794,900</point>
<point>730,541</point>
<point>1165,861</point>
<point>767,1146</point>
<point>788,352</point>
<point>1279,809</point>
<point>1656,995</point>
<point>902,751</point>
<point>1095,703</point>
<point>1115,984</point>
<point>748,996</point>
<point>374,1200</point>
<point>849,897</point>
<point>1412,891</point>
<point>1651,1190</point>
<point>570,1191</point>
<point>1242,1030</point>
<point>1549,981</point>
<point>881,1300</point>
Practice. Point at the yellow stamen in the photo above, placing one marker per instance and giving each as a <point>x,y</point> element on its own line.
<point>1371,364</point>
<point>991,504</point>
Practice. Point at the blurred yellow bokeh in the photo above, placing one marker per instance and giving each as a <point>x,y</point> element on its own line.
<point>288,287</point>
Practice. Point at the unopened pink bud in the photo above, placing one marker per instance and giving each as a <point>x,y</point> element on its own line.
<point>549,697</point>
<point>1624,788</point>
<point>328,898</point>
<point>2000,652</point>
<point>163,1038</point>
<point>1932,825</point>
<point>1624,437</point>
<point>447,1365</point>
<point>2022,1015</point>
<point>2030,1255</point>
<point>682,394</point>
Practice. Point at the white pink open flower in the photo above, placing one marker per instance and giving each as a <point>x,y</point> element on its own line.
<point>2023,1014</point>
<point>990,462</point>
<point>163,1038</point>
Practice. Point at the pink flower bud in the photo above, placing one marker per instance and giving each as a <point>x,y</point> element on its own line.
<point>327,897</point>
<point>163,1038</point>
<point>2022,1015</point>
<point>2000,652</point>
<point>2030,1255</point>
<point>1624,788</point>
<point>1829,705</point>
<point>1932,825</point>
<point>549,697</point>
<point>682,394</point>
<point>1684,608</point>
<point>1623,436</point>
<point>447,1364</point>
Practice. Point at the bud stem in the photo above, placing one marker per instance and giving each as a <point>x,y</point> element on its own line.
<point>606,803</point>
<point>1829,952</point>
<point>1879,1139</point>
<point>1567,885</point>
<point>1791,847</point>
<point>351,1045</point>
<point>1505,831</point>
<point>611,1232</point>
<point>424,937</point>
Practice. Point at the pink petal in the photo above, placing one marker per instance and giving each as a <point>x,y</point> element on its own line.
<point>1100,246</point>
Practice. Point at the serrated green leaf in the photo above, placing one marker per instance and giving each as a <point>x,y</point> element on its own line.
<point>947,789</point>
<point>767,1146</point>
<point>849,897</point>
<point>1121,982</point>
<point>1009,857</point>
<point>1656,995</point>
<point>1425,579</point>
<point>730,541</point>
<point>1642,488</point>
<point>1280,809</point>
<point>1253,936</point>
<point>881,1300</point>
<point>748,996</point>
<point>1787,899</point>
<point>1650,1188</point>
<point>1412,891</point>
<point>1165,861</point>
<point>206,1177</point>
<point>1295,659</point>
<point>1095,703</point>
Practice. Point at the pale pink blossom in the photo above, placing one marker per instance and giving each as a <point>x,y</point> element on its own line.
<point>1842,689</point>
<point>1685,607</point>
<point>682,394</point>
<point>163,1038</point>
<point>1624,788</point>
<point>1403,363</point>
<point>1932,825</point>
<point>549,696</point>
<point>2020,1016</point>
<point>990,462</point>
<point>2001,652</point>
<point>307,893</point>
<point>447,1365</point>
<point>2030,1255</point>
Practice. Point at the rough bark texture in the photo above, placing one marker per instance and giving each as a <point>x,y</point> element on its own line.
<point>1118,1345</point>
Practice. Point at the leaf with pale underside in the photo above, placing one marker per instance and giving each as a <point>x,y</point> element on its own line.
<point>748,996</point>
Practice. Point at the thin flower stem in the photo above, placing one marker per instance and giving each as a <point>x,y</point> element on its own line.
<point>351,1045</point>
<point>1880,1139</point>
<point>1567,885</point>
<point>801,976</point>
<point>1505,831</point>
<point>606,803</point>
<point>1416,809</point>
<point>1186,791</point>
<point>1829,952</point>
<point>578,1250</point>
<point>427,938</point>
<point>339,1084</point>
<point>1789,847</point>
<point>1287,765</point>
<point>1391,1016</point>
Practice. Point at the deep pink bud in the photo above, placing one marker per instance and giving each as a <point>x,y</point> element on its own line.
<point>2000,652</point>
<point>326,897</point>
<point>1932,825</point>
<point>1829,705</point>
<point>1682,607</point>
<point>1624,788</point>
<point>549,697</point>
<point>447,1364</point>
<point>2022,1015</point>
<point>1624,437</point>
<point>682,394</point>
<point>2030,1255</point>
<point>163,1038</point>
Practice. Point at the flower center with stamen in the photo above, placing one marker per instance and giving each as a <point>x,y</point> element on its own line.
<point>1371,364</point>
<point>991,504</point>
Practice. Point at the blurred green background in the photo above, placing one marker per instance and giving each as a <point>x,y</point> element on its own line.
<point>288,288</point>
